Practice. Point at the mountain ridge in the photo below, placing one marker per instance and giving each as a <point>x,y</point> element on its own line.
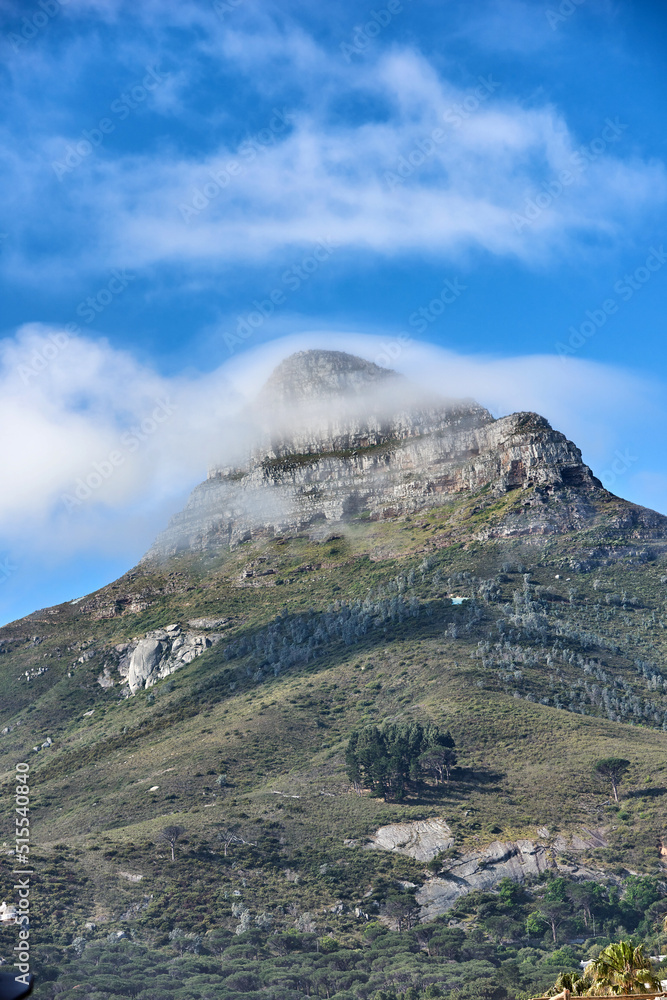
<point>352,452</point>
<point>214,689</point>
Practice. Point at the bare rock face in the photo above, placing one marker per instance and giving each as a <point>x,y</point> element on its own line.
<point>422,839</point>
<point>143,662</point>
<point>317,375</point>
<point>342,438</point>
<point>482,869</point>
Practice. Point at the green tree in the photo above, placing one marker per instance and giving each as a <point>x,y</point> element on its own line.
<point>402,908</point>
<point>624,969</point>
<point>612,769</point>
<point>438,756</point>
<point>391,759</point>
<point>510,893</point>
<point>641,891</point>
<point>577,983</point>
<point>171,834</point>
<point>586,896</point>
<point>554,913</point>
<point>365,758</point>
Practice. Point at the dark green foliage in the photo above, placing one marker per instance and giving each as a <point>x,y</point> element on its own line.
<point>394,758</point>
<point>204,951</point>
<point>612,769</point>
<point>537,676</point>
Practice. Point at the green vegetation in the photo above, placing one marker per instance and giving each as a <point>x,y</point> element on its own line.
<point>392,759</point>
<point>554,664</point>
<point>200,938</point>
<point>624,968</point>
<point>613,769</point>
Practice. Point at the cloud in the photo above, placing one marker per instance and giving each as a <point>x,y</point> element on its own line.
<point>415,165</point>
<point>96,442</point>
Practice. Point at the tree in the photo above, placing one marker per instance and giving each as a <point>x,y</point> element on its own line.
<point>228,835</point>
<point>510,893</point>
<point>577,983</point>
<point>439,756</point>
<point>554,912</point>
<point>402,908</point>
<point>612,769</point>
<point>624,969</point>
<point>390,759</point>
<point>171,834</point>
<point>641,891</point>
<point>585,896</point>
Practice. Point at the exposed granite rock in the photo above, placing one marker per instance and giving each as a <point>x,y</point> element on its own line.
<point>318,374</point>
<point>143,662</point>
<point>422,839</point>
<point>318,476</point>
<point>208,622</point>
<point>342,438</point>
<point>482,869</point>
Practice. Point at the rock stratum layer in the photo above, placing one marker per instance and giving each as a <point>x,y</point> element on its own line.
<point>341,438</point>
<point>483,869</point>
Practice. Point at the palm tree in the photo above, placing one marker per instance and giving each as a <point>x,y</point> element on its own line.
<point>577,983</point>
<point>621,968</point>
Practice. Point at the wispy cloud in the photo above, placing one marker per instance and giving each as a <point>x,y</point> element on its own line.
<point>326,175</point>
<point>95,425</point>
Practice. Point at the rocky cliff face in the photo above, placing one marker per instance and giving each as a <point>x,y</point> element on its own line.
<point>483,869</point>
<point>342,438</point>
<point>141,663</point>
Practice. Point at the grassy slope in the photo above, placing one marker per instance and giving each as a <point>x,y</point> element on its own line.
<point>524,764</point>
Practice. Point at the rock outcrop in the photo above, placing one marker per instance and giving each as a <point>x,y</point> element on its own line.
<point>422,839</point>
<point>341,438</point>
<point>143,662</point>
<point>485,868</point>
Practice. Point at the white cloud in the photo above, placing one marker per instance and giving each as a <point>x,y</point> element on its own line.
<point>373,181</point>
<point>91,401</point>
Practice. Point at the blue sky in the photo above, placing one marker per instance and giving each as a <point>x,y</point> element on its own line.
<point>476,192</point>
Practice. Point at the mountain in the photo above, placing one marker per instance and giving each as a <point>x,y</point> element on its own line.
<point>343,438</point>
<point>374,556</point>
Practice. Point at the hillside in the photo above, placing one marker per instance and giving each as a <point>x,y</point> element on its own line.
<point>306,592</point>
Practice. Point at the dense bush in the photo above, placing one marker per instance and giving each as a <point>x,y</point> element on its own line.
<point>396,757</point>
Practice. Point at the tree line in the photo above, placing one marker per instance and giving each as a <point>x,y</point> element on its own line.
<point>395,758</point>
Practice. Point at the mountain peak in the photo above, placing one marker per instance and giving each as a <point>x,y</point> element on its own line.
<point>320,374</point>
<point>341,439</point>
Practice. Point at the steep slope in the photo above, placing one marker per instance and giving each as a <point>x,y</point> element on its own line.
<point>348,439</point>
<point>215,687</point>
